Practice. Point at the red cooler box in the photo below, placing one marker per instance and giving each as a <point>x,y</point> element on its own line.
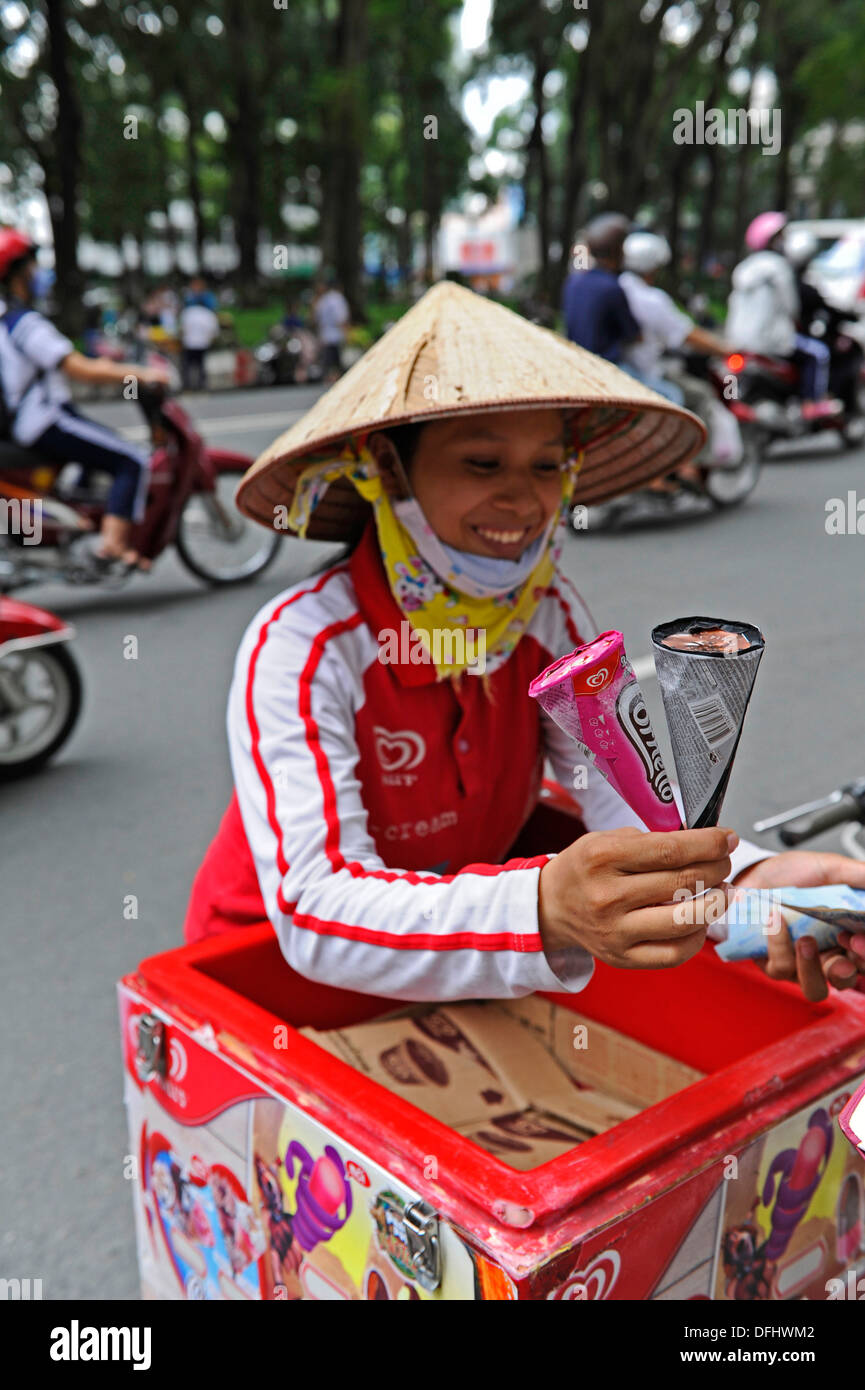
<point>269,1168</point>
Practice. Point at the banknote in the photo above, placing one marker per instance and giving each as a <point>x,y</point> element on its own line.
<point>819,912</point>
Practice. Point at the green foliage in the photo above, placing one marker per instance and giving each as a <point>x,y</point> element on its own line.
<point>246,109</point>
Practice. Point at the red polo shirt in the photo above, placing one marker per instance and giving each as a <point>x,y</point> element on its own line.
<point>374,803</point>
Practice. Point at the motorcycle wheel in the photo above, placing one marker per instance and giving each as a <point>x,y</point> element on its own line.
<point>853,433</point>
<point>216,542</point>
<point>51,677</point>
<point>727,487</point>
<point>600,517</point>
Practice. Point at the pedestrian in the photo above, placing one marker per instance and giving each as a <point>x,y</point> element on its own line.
<point>199,328</point>
<point>332,317</point>
<point>198,293</point>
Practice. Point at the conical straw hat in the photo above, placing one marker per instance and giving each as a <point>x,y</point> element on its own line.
<point>456,351</point>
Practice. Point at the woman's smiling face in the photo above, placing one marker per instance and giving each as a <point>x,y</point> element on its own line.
<point>487,484</point>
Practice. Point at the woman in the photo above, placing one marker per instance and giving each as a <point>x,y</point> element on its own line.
<point>381,782</point>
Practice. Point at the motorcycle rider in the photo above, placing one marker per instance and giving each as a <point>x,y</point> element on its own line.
<point>663,326</point>
<point>763,312</point>
<point>819,319</point>
<point>595,310</point>
<point>36,363</point>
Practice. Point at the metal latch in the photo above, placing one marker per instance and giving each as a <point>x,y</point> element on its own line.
<point>150,1053</point>
<point>422,1235</point>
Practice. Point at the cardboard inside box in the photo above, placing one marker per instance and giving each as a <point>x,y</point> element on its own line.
<point>525,1079</point>
<point>594,1054</point>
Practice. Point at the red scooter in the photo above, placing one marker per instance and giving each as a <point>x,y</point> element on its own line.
<point>768,395</point>
<point>190,505</point>
<point>40,687</point>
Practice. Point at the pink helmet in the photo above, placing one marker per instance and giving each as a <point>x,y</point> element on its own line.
<point>764,227</point>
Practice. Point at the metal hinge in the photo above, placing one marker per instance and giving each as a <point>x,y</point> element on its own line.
<point>422,1233</point>
<point>150,1059</point>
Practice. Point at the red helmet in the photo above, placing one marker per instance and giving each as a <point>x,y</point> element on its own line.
<point>14,246</point>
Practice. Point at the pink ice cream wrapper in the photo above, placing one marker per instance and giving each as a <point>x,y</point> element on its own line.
<point>594,696</point>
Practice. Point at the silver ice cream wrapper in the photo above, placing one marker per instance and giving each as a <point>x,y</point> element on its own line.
<point>706,684</point>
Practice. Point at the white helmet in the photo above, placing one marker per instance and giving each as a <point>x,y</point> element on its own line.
<point>800,246</point>
<point>645,252</point>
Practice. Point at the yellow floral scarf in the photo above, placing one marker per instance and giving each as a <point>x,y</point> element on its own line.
<point>458,631</point>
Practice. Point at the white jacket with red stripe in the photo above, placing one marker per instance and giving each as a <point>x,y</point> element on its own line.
<point>378,802</point>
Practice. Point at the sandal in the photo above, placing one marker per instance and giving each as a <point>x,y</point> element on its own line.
<point>141,564</point>
<point>94,563</point>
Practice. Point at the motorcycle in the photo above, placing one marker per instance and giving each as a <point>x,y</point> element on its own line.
<point>844,807</point>
<point>190,505</point>
<point>768,393</point>
<point>289,356</point>
<point>40,687</point>
<point>715,484</point>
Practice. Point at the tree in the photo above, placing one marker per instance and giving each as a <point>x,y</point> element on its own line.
<point>418,145</point>
<point>41,110</point>
<point>528,35</point>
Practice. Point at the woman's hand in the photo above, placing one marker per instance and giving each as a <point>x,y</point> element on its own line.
<point>153,376</point>
<point>99,371</point>
<point>612,893</point>
<point>840,966</point>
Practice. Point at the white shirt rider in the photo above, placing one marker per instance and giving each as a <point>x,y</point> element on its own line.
<point>664,326</point>
<point>35,389</point>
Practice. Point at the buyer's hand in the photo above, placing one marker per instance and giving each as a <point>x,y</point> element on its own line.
<point>612,893</point>
<point>842,966</point>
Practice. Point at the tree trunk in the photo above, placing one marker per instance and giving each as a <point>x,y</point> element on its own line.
<point>678,181</point>
<point>606,163</point>
<point>783,170</point>
<point>245,127</point>
<point>193,173</point>
<point>131,276</point>
<point>404,251</point>
<point>743,184</point>
<point>706,238</point>
<point>431,203</point>
<point>429,235</point>
<point>825,186</point>
<point>347,150</point>
<point>538,159</point>
<point>575,163</point>
<point>63,205</point>
<point>789,53</point>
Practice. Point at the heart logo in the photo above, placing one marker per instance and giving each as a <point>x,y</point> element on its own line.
<point>598,678</point>
<point>593,1283</point>
<point>396,750</point>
